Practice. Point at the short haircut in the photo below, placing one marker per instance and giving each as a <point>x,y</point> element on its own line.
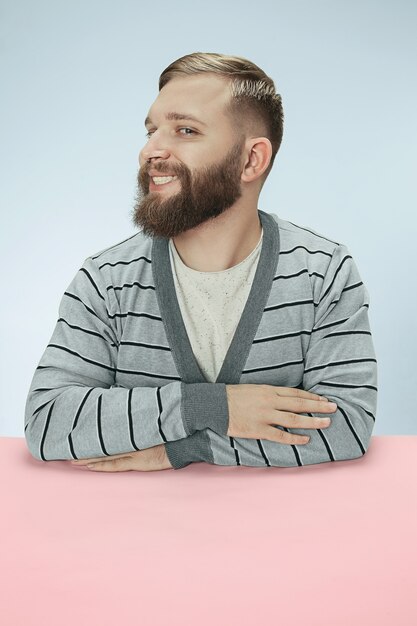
<point>254,103</point>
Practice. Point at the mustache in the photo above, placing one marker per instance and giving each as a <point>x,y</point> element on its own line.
<point>162,170</point>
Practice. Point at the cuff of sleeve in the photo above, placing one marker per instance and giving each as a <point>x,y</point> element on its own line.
<point>204,405</point>
<point>193,449</point>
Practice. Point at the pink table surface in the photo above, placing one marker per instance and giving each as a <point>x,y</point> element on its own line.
<point>330,544</point>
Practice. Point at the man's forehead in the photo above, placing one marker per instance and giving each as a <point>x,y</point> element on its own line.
<point>200,96</point>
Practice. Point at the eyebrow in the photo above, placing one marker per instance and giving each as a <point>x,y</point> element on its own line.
<point>177,116</point>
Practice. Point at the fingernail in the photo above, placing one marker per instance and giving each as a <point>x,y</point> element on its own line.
<point>333,405</point>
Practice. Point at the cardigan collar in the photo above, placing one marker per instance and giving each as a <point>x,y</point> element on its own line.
<point>236,356</point>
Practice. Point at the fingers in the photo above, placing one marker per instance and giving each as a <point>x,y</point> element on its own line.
<point>116,465</point>
<point>281,436</point>
<point>80,462</point>
<point>98,459</point>
<point>290,402</point>
<point>292,420</point>
<point>303,405</point>
<point>258,409</point>
<point>295,421</point>
<point>112,464</point>
<point>300,393</point>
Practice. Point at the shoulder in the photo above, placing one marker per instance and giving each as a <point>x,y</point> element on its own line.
<point>303,238</point>
<point>123,250</point>
<point>305,247</point>
<point>128,257</point>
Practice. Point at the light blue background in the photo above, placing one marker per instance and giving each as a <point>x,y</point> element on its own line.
<point>77,80</point>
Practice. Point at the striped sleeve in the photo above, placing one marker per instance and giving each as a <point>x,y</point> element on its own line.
<point>74,408</point>
<point>339,364</point>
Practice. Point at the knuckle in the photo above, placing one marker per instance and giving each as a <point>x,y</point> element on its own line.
<point>300,402</point>
<point>280,434</point>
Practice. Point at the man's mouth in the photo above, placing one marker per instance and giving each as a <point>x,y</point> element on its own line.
<point>158,182</point>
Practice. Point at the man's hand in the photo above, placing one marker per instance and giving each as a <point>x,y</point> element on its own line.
<point>148,460</point>
<point>255,410</point>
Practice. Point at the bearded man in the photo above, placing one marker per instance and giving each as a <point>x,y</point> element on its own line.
<point>219,332</point>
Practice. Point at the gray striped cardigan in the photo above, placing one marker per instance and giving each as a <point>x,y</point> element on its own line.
<point>119,374</point>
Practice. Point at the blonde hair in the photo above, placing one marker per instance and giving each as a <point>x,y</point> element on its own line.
<point>254,101</point>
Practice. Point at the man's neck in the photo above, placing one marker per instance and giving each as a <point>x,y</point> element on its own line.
<point>220,243</point>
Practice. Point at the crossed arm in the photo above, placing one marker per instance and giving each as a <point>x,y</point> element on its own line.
<point>72,411</point>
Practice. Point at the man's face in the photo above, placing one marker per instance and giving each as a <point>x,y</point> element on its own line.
<point>207,162</point>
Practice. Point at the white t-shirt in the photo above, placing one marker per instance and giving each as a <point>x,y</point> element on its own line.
<point>211,305</point>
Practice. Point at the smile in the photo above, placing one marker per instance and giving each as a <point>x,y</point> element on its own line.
<point>160,182</point>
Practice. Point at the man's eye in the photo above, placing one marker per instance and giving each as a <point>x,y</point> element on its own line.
<point>150,132</point>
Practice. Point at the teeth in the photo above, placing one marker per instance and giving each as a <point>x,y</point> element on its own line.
<point>161,180</point>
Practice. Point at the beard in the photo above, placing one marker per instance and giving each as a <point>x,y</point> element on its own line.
<point>204,194</point>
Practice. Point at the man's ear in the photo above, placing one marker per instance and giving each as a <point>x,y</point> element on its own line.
<point>258,159</point>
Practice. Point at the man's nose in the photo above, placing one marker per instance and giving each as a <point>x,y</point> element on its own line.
<point>154,149</point>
